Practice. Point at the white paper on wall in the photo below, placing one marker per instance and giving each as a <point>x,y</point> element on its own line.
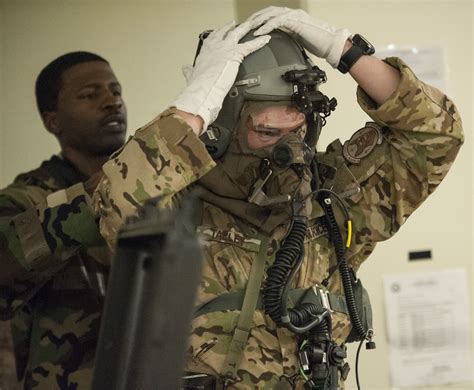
<point>429,64</point>
<point>428,327</point>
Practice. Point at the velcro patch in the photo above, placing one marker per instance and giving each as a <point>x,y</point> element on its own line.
<point>362,143</point>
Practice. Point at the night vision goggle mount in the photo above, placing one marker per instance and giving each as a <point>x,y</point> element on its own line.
<point>310,101</point>
<point>306,96</point>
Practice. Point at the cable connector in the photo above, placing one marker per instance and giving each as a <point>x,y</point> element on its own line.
<point>370,344</point>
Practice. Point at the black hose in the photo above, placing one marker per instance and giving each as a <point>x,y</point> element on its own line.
<point>285,265</point>
<point>287,262</point>
<point>280,275</point>
<point>336,238</point>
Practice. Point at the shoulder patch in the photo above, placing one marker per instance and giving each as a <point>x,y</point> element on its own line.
<point>362,142</point>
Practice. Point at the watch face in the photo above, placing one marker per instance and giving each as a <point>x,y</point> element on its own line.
<point>363,43</point>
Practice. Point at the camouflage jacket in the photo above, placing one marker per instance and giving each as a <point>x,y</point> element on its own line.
<point>53,270</point>
<point>397,161</point>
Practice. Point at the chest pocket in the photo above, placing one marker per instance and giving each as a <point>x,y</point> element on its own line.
<point>228,258</point>
<point>317,255</point>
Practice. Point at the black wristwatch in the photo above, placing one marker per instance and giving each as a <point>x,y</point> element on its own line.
<point>360,47</point>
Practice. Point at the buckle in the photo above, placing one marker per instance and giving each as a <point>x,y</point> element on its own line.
<point>324,296</point>
<point>248,82</point>
<point>196,381</point>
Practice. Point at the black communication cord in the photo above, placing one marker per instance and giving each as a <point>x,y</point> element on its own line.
<point>357,364</point>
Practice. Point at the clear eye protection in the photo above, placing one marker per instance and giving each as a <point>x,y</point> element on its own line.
<point>283,118</point>
<point>268,124</point>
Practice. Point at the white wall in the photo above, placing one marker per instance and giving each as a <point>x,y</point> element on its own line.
<point>146,43</point>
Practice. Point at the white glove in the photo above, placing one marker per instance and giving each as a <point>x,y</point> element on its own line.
<point>320,38</point>
<point>187,71</point>
<point>215,70</point>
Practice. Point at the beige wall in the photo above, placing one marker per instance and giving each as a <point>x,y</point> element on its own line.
<point>146,43</point>
<point>2,73</point>
<point>444,223</point>
<point>245,8</point>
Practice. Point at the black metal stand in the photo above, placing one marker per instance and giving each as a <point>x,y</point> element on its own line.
<point>149,303</point>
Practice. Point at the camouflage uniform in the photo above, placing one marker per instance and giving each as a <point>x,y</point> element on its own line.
<point>418,134</point>
<point>54,264</point>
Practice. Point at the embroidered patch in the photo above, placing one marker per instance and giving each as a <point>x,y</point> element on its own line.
<point>362,142</point>
<point>317,230</point>
<point>230,237</point>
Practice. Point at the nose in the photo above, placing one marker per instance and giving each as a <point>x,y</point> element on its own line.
<point>112,101</point>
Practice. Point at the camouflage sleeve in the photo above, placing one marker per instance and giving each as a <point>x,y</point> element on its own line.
<point>421,135</point>
<point>39,231</point>
<point>161,159</point>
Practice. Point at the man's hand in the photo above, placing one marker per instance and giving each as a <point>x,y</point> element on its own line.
<point>215,71</point>
<point>320,38</point>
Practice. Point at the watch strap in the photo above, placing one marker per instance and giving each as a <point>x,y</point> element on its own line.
<point>349,58</point>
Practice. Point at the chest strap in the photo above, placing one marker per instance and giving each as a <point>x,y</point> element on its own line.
<point>247,305</point>
<point>314,295</point>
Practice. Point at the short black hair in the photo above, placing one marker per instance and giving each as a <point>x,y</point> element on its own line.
<point>48,82</point>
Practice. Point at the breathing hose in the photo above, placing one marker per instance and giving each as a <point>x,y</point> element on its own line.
<point>280,275</point>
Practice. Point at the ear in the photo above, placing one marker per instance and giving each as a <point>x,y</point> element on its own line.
<point>50,122</point>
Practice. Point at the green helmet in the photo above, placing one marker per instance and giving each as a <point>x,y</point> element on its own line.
<point>280,71</point>
<point>260,76</point>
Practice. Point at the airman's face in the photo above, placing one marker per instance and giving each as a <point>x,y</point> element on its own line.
<point>267,126</point>
<point>90,115</point>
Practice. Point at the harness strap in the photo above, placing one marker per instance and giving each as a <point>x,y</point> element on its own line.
<point>233,301</point>
<point>248,306</point>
